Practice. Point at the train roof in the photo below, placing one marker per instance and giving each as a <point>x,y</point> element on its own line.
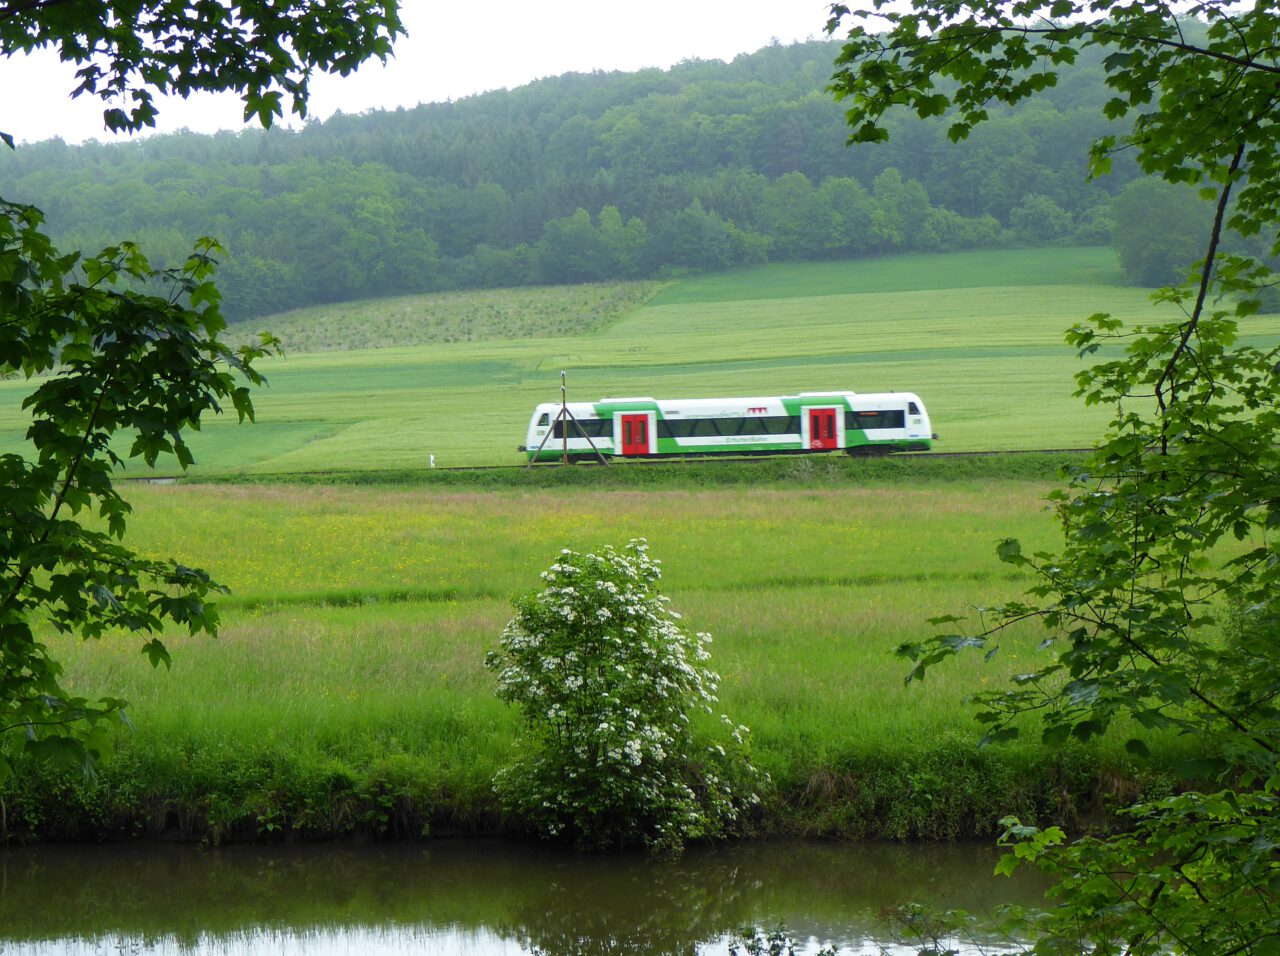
<point>732,400</point>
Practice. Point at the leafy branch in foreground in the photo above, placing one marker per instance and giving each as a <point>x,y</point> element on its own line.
<point>135,353</point>
<point>1162,608</point>
<point>134,350</point>
<point>265,50</point>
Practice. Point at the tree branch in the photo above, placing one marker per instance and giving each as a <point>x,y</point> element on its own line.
<point>11,10</point>
<point>1206,276</point>
<point>1252,63</point>
<point>59,498</point>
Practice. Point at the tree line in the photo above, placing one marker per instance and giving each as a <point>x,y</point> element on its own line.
<point>584,177</point>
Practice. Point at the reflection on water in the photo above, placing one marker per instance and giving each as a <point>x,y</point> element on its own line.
<point>480,898</point>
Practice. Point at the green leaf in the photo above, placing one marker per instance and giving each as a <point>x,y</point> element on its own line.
<point>998,736</point>
<point>155,651</point>
<point>1055,735</point>
<point>1007,864</point>
<point>1010,551</point>
<point>61,752</point>
<point>1201,768</point>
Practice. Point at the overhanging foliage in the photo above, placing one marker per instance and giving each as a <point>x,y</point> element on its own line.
<point>129,354</point>
<point>1161,606</point>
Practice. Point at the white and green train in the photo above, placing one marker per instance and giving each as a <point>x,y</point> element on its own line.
<point>859,424</point>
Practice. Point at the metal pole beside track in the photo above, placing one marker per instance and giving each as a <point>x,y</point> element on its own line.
<point>563,418</point>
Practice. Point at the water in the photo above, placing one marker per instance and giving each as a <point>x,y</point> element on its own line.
<point>473,898</point>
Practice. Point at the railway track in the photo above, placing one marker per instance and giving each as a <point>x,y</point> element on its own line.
<point>630,462</point>
<point>997,454</point>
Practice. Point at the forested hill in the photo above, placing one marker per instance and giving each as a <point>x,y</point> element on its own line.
<point>579,177</point>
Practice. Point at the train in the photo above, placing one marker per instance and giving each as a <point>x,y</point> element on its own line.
<point>853,422</point>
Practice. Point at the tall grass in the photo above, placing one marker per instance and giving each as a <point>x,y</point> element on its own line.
<point>347,693</point>
<point>284,543</point>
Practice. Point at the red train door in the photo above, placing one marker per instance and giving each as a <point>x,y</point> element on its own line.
<point>635,435</point>
<point>822,429</point>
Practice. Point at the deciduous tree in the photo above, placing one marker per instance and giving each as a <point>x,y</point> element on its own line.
<point>128,51</point>
<point>129,355</point>
<point>1161,605</point>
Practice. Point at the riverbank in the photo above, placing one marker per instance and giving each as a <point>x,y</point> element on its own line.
<point>218,793</point>
<point>346,695</point>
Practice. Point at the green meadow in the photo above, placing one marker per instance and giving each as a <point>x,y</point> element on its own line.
<point>346,692</point>
<point>384,385</point>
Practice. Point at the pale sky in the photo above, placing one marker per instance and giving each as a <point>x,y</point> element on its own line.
<point>454,49</point>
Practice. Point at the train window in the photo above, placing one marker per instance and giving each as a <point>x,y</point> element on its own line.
<point>544,420</point>
<point>689,428</point>
<point>593,427</point>
<point>717,427</point>
<point>913,408</point>
<point>878,418</point>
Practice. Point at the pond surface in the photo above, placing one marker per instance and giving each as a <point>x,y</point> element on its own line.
<point>478,898</point>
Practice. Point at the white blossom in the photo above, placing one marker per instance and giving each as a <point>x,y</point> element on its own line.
<point>613,704</point>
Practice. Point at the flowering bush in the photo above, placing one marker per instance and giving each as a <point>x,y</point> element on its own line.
<point>608,680</point>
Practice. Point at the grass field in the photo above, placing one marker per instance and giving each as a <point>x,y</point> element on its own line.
<point>349,668</point>
<point>977,335</point>
<point>347,694</point>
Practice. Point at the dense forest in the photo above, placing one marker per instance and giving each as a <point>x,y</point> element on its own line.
<point>582,177</point>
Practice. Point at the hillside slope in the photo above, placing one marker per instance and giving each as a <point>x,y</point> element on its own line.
<point>977,335</point>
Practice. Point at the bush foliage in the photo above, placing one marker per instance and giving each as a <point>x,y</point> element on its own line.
<point>608,681</point>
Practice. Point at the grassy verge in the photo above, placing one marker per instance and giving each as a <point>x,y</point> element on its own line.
<point>346,694</point>
<point>788,471</point>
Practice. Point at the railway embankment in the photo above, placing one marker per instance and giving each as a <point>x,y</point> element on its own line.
<point>833,468</point>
